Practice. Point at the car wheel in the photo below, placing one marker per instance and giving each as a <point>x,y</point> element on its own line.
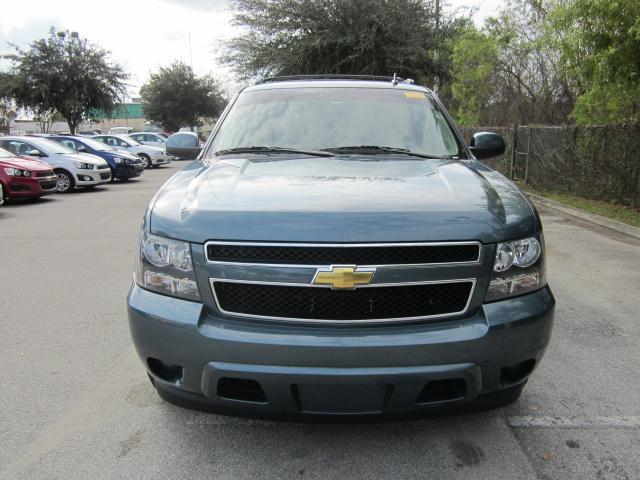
<point>147,160</point>
<point>65,181</point>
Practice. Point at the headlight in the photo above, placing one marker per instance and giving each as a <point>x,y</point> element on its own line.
<point>84,166</point>
<point>164,265</point>
<point>16,172</point>
<point>518,268</point>
<point>121,161</point>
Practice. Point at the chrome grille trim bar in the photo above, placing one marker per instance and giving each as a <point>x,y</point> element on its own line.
<point>473,282</point>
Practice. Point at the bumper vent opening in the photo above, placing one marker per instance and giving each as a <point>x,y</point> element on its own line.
<point>516,373</point>
<point>168,373</point>
<point>241,389</point>
<point>443,391</point>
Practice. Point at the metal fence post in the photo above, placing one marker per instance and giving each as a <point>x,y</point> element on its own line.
<point>514,146</point>
<point>526,161</point>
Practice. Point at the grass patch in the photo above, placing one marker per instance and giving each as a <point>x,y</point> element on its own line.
<point>621,213</point>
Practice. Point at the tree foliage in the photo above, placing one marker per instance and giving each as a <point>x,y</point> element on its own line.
<point>66,74</point>
<point>176,97</point>
<point>475,57</point>
<point>511,70</point>
<point>368,37</point>
<point>551,61</point>
<point>600,45</point>
<point>6,99</point>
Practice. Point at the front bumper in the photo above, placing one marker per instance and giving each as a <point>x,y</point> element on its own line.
<point>161,160</point>
<point>305,370</point>
<point>128,171</point>
<point>30,187</point>
<point>85,178</point>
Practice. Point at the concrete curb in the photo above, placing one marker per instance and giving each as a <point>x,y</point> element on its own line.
<point>599,220</point>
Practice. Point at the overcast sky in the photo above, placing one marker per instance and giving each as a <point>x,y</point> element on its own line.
<point>143,35</point>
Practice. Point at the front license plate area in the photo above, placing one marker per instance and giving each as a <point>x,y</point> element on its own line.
<point>341,398</point>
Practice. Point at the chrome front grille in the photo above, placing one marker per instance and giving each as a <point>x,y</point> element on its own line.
<point>380,303</point>
<point>409,281</point>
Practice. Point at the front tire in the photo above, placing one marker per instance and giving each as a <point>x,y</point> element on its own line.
<point>65,183</point>
<point>147,160</point>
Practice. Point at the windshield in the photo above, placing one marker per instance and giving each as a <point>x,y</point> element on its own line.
<point>333,117</point>
<point>96,145</point>
<point>131,141</point>
<point>50,146</point>
<point>5,153</point>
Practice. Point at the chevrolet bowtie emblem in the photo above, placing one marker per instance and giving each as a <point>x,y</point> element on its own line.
<point>343,278</point>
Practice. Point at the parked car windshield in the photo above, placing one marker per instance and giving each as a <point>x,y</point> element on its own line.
<point>332,117</point>
<point>132,142</point>
<point>99,146</point>
<point>50,146</point>
<point>5,153</point>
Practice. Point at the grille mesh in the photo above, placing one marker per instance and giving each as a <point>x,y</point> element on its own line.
<point>315,303</point>
<point>331,255</point>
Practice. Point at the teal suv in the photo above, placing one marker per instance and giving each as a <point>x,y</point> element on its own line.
<point>337,249</point>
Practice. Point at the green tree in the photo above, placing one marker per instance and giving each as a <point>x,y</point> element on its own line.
<point>600,42</point>
<point>175,97</point>
<point>475,57</point>
<point>6,100</point>
<point>371,37</point>
<point>66,74</point>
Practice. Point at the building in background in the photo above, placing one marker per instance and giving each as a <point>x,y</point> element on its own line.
<point>127,115</point>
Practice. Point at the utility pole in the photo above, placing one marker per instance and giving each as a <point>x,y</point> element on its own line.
<point>436,53</point>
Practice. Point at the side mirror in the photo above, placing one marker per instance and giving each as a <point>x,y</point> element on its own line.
<point>486,145</point>
<point>81,150</point>
<point>184,145</point>
<point>34,153</point>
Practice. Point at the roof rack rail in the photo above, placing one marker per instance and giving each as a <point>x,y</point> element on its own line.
<point>334,76</point>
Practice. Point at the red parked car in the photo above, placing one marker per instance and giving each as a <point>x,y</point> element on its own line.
<point>25,178</point>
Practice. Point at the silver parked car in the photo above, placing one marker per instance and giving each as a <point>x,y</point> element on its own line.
<point>151,156</point>
<point>150,138</point>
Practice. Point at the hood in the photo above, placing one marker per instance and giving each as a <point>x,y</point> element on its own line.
<point>340,199</point>
<point>124,154</point>
<point>150,148</point>
<point>24,163</point>
<point>87,158</point>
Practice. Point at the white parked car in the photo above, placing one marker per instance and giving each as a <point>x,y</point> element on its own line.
<point>150,138</point>
<point>151,156</point>
<point>72,168</point>
<point>120,130</point>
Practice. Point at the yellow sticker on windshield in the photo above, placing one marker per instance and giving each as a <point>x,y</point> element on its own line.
<point>414,95</point>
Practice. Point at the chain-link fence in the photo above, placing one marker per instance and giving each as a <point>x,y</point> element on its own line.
<point>599,162</point>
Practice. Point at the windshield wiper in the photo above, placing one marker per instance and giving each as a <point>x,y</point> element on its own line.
<point>265,149</point>
<point>376,149</point>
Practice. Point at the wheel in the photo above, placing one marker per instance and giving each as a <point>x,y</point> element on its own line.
<point>146,159</point>
<point>65,181</point>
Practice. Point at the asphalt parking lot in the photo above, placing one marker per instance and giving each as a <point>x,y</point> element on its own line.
<point>76,403</point>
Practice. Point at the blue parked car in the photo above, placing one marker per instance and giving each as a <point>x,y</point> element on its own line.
<point>124,165</point>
